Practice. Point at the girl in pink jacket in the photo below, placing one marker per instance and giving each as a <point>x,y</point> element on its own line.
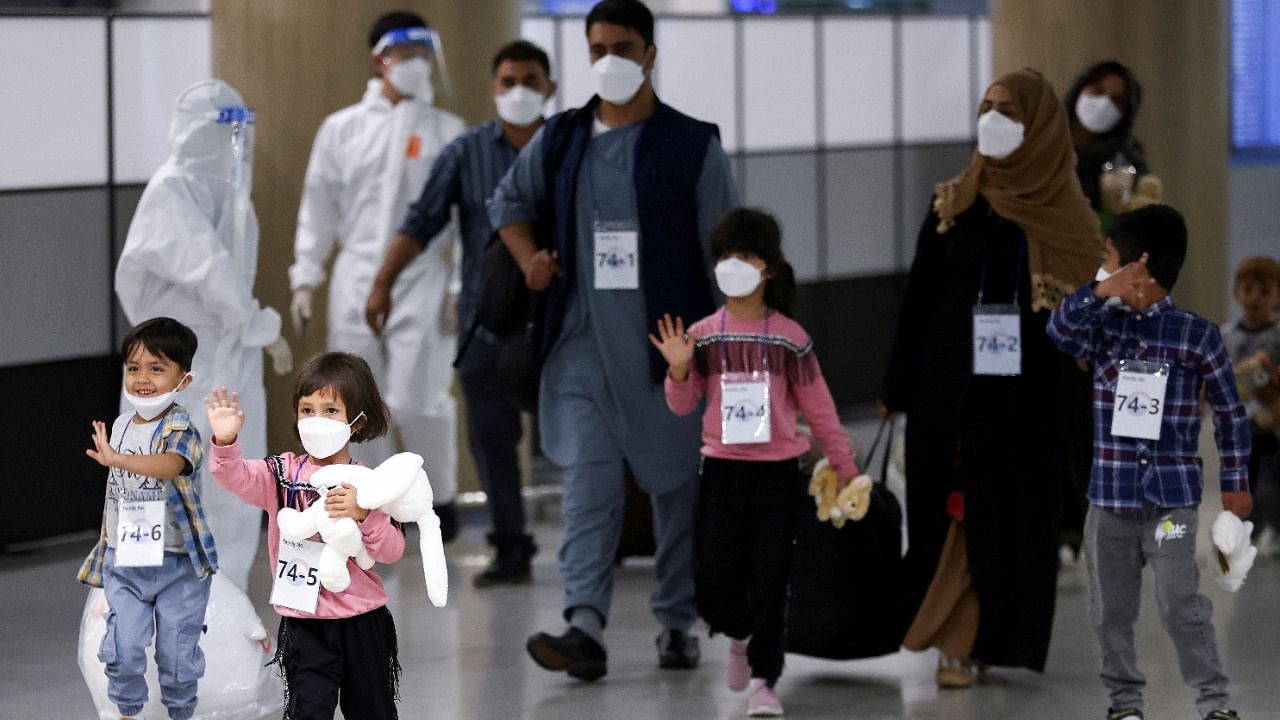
<point>334,648</point>
<point>757,370</point>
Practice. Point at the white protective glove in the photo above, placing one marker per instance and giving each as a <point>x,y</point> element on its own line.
<point>1233,551</point>
<point>281,356</point>
<point>300,309</point>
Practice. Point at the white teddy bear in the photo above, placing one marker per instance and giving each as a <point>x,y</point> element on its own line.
<point>1235,552</point>
<point>400,488</point>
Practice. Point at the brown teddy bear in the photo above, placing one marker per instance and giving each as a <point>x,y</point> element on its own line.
<point>1256,380</point>
<point>838,505</point>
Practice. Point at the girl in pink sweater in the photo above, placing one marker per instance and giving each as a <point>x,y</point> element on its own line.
<point>334,648</point>
<point>757,369</point>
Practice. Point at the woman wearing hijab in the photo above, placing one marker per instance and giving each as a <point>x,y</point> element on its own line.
<point>1102,106</point>
<point>976,375</point>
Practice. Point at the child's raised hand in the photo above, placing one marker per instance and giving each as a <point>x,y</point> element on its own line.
<point>1130,278</point>
<point>675,345</point>
<point>102,452</point>
<point>225,416</point>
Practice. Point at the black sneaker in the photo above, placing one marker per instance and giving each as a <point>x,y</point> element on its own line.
<point>511,562</point>
<point>448,514</point>
<point>677,651</point>
<point>574,652</point>
<point>1124,714</point>
<point>1222,715</point>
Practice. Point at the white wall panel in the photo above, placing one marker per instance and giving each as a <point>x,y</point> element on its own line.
<point>575,71</point>
<point>695,71</point>
<point>154,60</point>
<point>936,84</point>
<point>983,71</point>
<point>53,127</point>
<point>857,75</point>
<point>779,77</point>
<point>542,32</point>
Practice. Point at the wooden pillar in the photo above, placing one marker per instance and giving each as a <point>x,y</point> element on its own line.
<point>1179,51</point>
<point>297,61</point>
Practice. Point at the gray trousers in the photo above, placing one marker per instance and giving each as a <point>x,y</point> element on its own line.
<point>1117,546</point>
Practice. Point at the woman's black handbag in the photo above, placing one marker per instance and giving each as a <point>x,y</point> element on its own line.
<point>844,585</point>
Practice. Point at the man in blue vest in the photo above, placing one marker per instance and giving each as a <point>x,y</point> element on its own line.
<point>628,190</point>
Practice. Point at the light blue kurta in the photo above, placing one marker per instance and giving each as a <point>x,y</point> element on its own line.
<point>597,401</point>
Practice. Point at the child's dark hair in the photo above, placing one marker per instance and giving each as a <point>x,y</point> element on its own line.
<point>756,232</point>
<point>1160,232</point>
<point>630,14</point>
<point>519,51</point>
<point>162,337</point>
<point>350,377</point>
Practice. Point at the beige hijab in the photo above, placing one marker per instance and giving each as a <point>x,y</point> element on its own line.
<point>1035,187</point>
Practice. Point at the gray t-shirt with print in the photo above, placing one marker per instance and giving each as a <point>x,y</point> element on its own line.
<point>131,437</point>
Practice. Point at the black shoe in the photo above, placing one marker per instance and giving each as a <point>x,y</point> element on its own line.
<point>1124,714</point>
<point>448,514</point>
<point>677,651</point>
<point>574,652</point>
<point>510,564</point>
<point>1222,715</point>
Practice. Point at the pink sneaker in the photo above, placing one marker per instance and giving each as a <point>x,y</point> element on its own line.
<point>763,702</point>
<point>739,669</point>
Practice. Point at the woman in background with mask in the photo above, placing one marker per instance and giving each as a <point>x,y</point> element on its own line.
<point>975,373</point>
<point>1101,106</point>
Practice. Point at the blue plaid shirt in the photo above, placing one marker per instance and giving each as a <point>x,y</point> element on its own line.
<point>177,435</point>
<point>1127,472</point>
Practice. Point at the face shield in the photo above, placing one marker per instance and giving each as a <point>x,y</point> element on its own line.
<point>410,57</point>
<point>240,121</point>
<point>212,133</point>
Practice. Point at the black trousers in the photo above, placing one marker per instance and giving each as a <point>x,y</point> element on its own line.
<point>744,528</point>
<point>493,429</point>
<point>352,662</point>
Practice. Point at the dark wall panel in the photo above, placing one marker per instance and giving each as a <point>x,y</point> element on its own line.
<point>63,488</point>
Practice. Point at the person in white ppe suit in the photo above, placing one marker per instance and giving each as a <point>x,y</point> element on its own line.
<point>369,162</point>
<point>192,254</point>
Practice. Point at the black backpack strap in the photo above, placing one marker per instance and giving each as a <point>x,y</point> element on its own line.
<point>887,450</point>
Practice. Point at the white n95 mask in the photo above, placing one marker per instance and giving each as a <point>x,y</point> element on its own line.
<point>324,437</point>
<point>412,77</point>
<point>737,278</point>
<point>150,407</point>
<point>1097,113</point>
<point>520,106</point>
<point>617,79</point>
<point>998,136</point>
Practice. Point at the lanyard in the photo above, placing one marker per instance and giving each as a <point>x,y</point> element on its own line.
<point>297,487</point>
<point>1017,272</point>
<point>591,183</point>
<point>764,343</point>
<point>125,432</point>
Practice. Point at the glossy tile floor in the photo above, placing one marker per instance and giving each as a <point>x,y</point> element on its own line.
<point>468,660</point>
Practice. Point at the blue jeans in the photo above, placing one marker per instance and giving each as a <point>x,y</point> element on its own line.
<point>167,602</point>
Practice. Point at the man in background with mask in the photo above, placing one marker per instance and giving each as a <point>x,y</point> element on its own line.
<point>368,163</point>
<point>632,188</point>
<point>465,176</point>
<point>192,254</point>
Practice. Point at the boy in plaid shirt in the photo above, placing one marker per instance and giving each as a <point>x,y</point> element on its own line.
<point>155,556</point>
<point>1150,360</point>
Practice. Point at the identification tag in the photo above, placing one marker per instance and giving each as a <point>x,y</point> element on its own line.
<point>140,533</point>
<point>997,340</point>
<point>1139,402</point>
<point>744,410</point>
<point>617,259</point>
<point>297,583</point>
